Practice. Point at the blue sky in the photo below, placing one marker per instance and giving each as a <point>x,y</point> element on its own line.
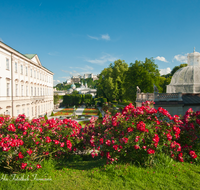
<point>84,36</point>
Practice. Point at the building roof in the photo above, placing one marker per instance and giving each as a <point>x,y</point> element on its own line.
<point>29,56</point>
<point>24,55</point>
<point>191,98</point>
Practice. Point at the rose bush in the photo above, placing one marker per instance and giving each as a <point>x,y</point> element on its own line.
<point>24,144</point>
<point>138,135</point>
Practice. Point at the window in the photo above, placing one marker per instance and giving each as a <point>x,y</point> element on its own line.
<point>26,90</point>
<point>8,89</point>
<point>35,91</point>
<point>16,89</point>
<point>17,112</point>
<point>40,76</point>
<point>22,90</point>
<point>34,74</point>
<point>22,69</point>
<point>16,67</point>
<point>27,112</point>
<point>38,91</point>
<point>37,75</point>
<point>31,73</point>
<point>7,64</point>
<point>26,71</point>
<point>31,91</point>
<point>32,111</point>
<point>23,111</point>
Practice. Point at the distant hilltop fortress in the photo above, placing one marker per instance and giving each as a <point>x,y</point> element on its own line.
<point>76,79</point>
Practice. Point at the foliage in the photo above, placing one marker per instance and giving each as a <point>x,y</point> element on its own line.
<point>142,74</point>
<point>90,82</point>
<point>56,99</point>
<point>111,79</point>
<point>63,86</point>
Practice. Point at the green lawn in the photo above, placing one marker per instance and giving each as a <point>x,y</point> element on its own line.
<point>83,123</point>
<point>80,174</point>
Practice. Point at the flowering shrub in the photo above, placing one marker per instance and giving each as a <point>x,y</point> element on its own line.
<point>190,135</point>
<point>137,135</point>
<point>24,144</point>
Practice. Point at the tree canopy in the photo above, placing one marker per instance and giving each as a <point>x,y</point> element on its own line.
<point>143,75</point>
<point>111,79</point>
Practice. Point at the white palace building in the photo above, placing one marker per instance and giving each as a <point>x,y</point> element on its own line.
<point>26,87</point>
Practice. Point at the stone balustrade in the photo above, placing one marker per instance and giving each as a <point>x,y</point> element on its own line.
<point>142,97</point>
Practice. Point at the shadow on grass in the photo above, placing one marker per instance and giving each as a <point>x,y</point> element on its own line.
<point>83,162</point>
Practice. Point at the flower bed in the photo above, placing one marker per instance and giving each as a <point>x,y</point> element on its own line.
<point>140,134</point>
<point>24,144</point>
<point>66,111</point>
<point>137,135</point>
<point>90,111</point>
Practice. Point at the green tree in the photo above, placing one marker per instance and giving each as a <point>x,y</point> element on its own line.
<point>56,99</point>
<point>111,79</point>
<point>143,75</point>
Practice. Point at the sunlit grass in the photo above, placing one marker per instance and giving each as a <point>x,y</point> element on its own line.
<point>78,173</point>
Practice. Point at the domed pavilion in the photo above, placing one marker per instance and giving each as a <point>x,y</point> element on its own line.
<point>187,79</point>
<point>182,93</point>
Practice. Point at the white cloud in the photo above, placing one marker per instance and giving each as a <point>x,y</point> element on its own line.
<point>1,40</point>
<point>161,59</point>
<point>105,37</point>
<point>165,71</point>
<point>71,73</point>
<point>93,37</point>
<point>102,60</point>
<point>86,68</point>
<point>181,58</point>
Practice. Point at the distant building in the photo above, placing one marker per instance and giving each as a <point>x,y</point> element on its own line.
<point>26,87</point>
<point>83,89</point>
<point>75,79</point>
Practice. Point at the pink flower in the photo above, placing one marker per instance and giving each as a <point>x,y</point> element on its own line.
<point>29,151</point>
<point>136,147</point>
<point>193,154</point>
<point>150,151</point>
<point>129,129</point>
<point>38,166</point>
<point>156,138</point>
<point>115,147</point>
<point>180,157</point>
<point>12,128</point>
<point>20,155</point>
<point>101,140</point>
<point>141,126</point>
<point>108,142</point>
<point>69,144</point>
<point>23,165</point>
<point>62,144</point>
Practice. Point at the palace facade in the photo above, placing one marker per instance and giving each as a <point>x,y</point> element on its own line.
<point>26,87</point>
